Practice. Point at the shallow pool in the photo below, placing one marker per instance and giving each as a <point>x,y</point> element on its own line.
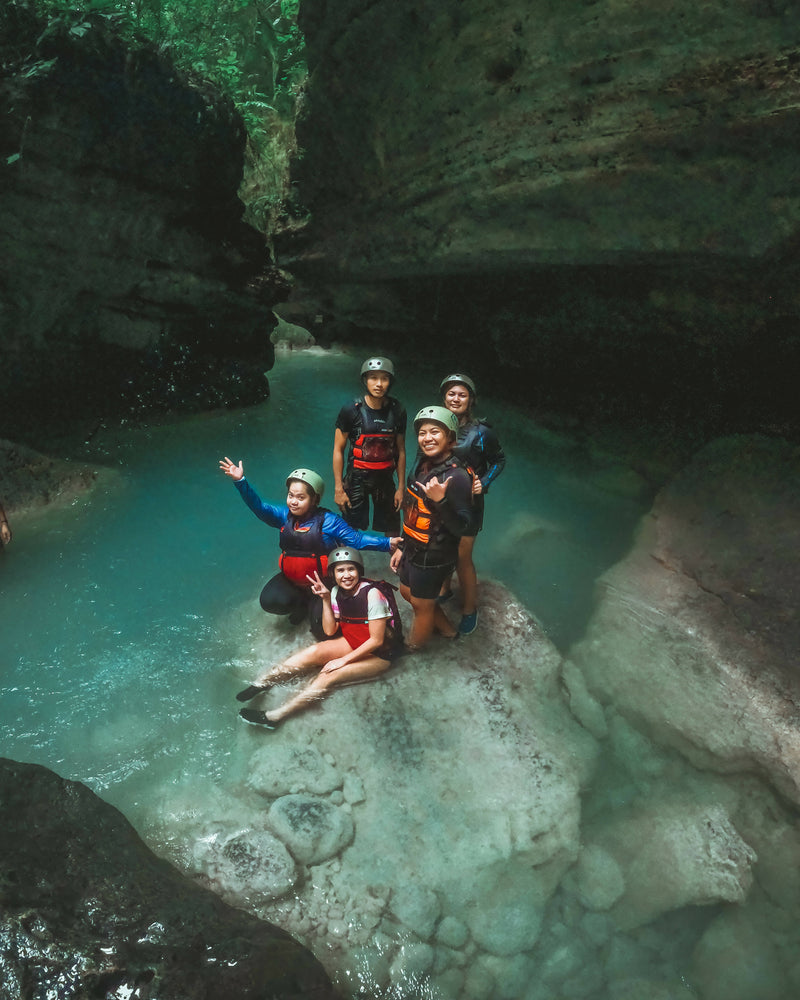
<point>120,611</point>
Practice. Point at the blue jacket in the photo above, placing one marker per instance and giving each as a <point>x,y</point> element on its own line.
<point>335,531</point>
<point>478,447</point>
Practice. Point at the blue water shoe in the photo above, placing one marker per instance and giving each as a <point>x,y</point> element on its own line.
<point>468,623</point>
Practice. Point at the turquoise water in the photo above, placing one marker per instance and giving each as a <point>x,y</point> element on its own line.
<point>120,611</point>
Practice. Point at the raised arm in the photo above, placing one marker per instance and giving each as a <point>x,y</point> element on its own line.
<point>236,472</point>
<point>268,513</point>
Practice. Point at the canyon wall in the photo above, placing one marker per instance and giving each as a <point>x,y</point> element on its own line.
<point>128,281</point>
<point>600,196</point>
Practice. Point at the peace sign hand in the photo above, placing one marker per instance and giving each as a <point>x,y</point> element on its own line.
<point>318,588</point>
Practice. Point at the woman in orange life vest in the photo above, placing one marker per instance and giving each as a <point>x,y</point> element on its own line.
<point>308,533</point>
<point>478,447</point>
<point>362,651</point>
<point>437,511</point>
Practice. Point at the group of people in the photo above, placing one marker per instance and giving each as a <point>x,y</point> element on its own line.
<point>355,620</point>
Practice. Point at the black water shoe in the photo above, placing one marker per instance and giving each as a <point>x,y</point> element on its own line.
<point>251,691</point>
<point>255,717</point>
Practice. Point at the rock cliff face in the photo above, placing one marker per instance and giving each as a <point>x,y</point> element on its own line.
<point>127,278</point>
<point>597,194</point>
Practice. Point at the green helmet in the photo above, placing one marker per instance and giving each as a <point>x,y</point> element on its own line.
<point>378,365</point>
<point>310,478</point>
<point>439,415</point>
<point>458,378</point>
<point>345,556</point>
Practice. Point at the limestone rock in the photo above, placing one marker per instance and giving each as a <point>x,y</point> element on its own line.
<point>599,879</point>
<point>312,829</point>
<point>88,909</point>
<point>29,479</point>
<point>736,960</point>
<point>416,907</point>
<point>675,853</point>
<point>246,864</point>
<point>696,632</point>
<point>472,768</point>
<point>278,770</point>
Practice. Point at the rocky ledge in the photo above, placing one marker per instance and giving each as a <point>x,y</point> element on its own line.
<point>89,911</point>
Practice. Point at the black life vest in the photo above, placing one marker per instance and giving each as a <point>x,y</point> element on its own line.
<point>303,548</point>
<point>375,444</point>
<point>421,521</point>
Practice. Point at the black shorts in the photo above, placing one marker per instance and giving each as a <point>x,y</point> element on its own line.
<point>424,582</point>
<point>359,487</point>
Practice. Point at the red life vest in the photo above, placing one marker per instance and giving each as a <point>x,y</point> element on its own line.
<point>303,548</point>
<point>375,447</point>
<point>352,616</point>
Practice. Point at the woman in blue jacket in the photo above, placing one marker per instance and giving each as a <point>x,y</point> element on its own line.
<point>308,533</point>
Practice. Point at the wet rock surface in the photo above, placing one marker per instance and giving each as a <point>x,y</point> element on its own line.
<point>29,479</point>
<point>696,632</point>
<point>88,910</point>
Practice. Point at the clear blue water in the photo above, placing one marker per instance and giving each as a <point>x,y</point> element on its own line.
<point>115,667</point>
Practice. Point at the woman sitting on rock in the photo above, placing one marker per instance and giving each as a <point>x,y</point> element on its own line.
<point>308,533</point>
<point>370,628</point>
<point>437,511</point>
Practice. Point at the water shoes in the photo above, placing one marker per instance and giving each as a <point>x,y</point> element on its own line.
<point>468,623</point>
<point>251,691</point>
<point>255,717</point>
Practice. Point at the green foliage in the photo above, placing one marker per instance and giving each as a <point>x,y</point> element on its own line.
<point>253,50</point>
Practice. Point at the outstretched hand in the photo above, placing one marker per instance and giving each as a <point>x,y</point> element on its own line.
<point>433,489</point>
<point>236,472</point>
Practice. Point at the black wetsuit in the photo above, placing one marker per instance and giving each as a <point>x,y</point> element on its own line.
<point>478,446</point>
<point>371,461</point>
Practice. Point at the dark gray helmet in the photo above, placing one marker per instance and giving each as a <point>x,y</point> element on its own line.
<point>378,365</point>
<point>310,478</point>
<point>439,415</point>
<point>346,555</point>
<point>457,378</point>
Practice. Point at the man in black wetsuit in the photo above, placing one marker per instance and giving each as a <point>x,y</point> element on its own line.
<point>375,426</point>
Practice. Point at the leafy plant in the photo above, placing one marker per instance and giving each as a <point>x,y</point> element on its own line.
<point>253,50</point>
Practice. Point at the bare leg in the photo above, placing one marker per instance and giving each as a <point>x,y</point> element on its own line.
<point>326,679</point>
<point>428,616</point>
<point>304,659</point>
<point>467,576</point>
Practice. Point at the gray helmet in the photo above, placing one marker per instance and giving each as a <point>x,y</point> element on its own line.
<point>346,555</point>
<point>310,478</point>
<point>439,415</point>
<point>378,365</point>
<point>457,378</point>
